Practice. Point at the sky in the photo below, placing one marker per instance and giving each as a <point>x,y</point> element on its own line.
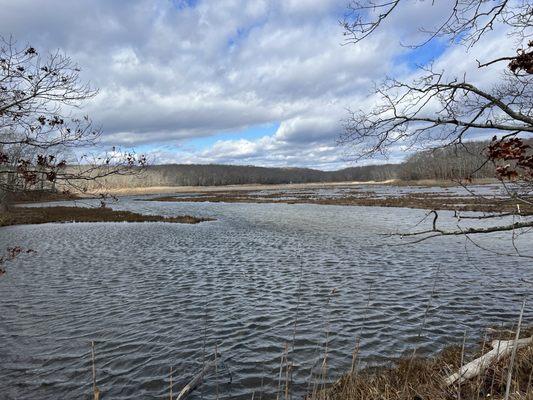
<point>250,82</point>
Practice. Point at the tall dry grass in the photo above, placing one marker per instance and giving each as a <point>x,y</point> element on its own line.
<point>423,378</point>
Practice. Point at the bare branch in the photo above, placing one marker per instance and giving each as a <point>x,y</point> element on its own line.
<point>38,138</point>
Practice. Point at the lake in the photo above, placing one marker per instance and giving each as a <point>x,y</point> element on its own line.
<point>156,295</point>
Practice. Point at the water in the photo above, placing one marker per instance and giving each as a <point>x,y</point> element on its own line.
<point>155,295</point>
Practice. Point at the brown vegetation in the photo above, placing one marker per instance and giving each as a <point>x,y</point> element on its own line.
<point>41,215</point>
<point>41,196</point>
<point>429,201</point>
<point>171,190</point>
<point>423,378</point>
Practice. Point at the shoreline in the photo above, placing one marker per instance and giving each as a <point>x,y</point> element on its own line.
<point>225,188</point>
<point>426,377</point>
<point>281,186</point>
<point>352,194</point>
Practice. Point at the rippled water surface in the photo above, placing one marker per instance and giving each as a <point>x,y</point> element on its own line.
<point>156,295</point>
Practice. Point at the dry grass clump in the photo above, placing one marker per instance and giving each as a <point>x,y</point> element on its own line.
<point>423,378</point>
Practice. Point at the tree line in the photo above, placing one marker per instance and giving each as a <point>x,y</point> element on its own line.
<point>467,161</point>
<point>217,174</point>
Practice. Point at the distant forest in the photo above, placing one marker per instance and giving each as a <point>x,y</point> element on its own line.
<point>467,160</point>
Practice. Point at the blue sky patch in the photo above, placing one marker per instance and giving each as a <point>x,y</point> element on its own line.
<point>252,133</point>
<point>422,56</point>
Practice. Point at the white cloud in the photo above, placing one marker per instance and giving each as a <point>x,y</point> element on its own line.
<point>169,72</point>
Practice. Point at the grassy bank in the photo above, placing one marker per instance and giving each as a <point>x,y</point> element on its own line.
<point>417,378</point>
<point>41,215</point>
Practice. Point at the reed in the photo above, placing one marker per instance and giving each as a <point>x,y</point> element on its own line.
<point>96,391</point>
<point>423,378</point>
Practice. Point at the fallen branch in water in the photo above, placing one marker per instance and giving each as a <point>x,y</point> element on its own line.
<point>500,349</point>
<point>194,382</point>
<point>486,216</point>
<point>469,231</point>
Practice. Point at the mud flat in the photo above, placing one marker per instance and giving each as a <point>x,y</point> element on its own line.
<point>42,215</point>
<point>350,196</point>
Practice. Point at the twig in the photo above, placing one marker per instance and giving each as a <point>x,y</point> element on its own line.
<point>462,363</point>
<point>171,396</point>
<point>513,354</point>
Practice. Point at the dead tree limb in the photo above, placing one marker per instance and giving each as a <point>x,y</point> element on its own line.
<point>500,349</point>
<point>469,231</point>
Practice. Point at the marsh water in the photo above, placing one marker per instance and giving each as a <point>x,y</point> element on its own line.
<point>260,279</point>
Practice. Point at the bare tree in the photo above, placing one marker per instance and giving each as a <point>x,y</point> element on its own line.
<point>42,140</point>
<point>438,109</point>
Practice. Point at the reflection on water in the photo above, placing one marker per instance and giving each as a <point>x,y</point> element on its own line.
<point>155,295</point>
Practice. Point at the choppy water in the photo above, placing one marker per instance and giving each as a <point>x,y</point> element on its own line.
<point>155,295</point>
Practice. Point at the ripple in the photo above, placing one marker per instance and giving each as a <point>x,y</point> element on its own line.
<point>158,295</point>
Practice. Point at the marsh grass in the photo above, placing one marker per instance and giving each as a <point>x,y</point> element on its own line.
<point>418,378</point>
<point>43,215</point>
<point>423,378</point>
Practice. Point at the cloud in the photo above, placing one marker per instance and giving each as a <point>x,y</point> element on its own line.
<point>268,151</point>
<point>171,72</point>
<point>311,129</point>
